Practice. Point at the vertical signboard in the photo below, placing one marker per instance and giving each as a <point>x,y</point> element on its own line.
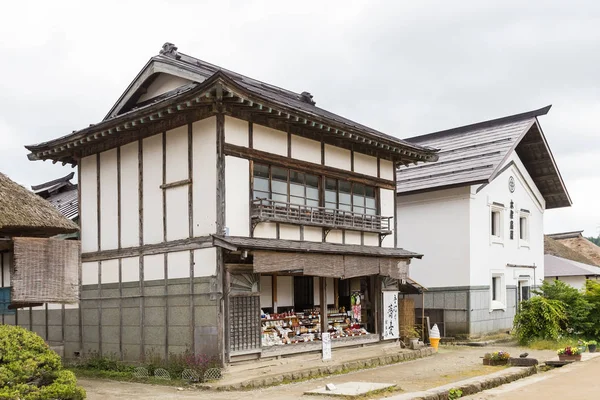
<point>390,315</point>
<point>326,339</point>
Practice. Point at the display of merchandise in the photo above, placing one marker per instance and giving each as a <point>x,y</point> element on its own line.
<point>300,327</point>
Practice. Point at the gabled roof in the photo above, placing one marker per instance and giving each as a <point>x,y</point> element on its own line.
<point>22,213</point>
<point>559,249</point>
<point>557,266</point>
<point>581,245</point>
<point>127,120</point>
<point>476,153</point>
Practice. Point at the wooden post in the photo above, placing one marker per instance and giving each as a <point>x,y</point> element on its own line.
<point>323,303</point>
<point>274,290</point>
<point>336,293</point>
<point>423,315</point>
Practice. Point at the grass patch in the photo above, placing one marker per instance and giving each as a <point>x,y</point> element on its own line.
<point>544,344</point>
<point>124,376</point>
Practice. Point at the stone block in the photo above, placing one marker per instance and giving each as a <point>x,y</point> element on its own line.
<point>179,316</point>
<point>55,317</point>
<point>179,301</point>
<point>132,335</point>
<point>180,336</point>
<point>72,333</point>
<point>110,293</point>
<point>110,303</point>
<point>89,304</point>
<point>450,300</point>
<point>23,318</point>
<point>131,352</point>
<point>9,319</point>
<point>110,317</point>
<point>131,316</point>
<point>153,350</point>
<point>55,333</point>
<point>90,317</point>
<point>131,291</point>
<point>202,288</point>
<point>155,335</point>
<point>111,350</point>
<point>438,300</point>
<point>130,303</point>
<point>154,316</point>
<point>461,300</point>
<point>155,301</point>
<point>110,334</point>
<point>173,349</point>
<point>38,317</point>
<point>178,289</point>
<point>89,292</point>
<point>70,350</point>
<point>90,335</point>
<point>205,316</point>
<point>154,290</point>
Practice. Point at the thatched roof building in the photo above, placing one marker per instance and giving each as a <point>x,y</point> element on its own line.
<point>22,213</point>
<point>556,248</point>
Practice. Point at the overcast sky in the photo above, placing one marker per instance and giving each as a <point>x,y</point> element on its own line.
<point>403,67</point>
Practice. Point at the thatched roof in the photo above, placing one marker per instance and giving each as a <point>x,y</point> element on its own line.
<point>22,213</point>
<point>557,248</point>
<point>583,246</point>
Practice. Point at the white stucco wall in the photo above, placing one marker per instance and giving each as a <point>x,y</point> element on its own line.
<point>130,220</point>
<point>89,204</point>
<point>162,84</point>
<point>269,140</point>
<point>489,256</point>
<point>237,196</point>
<point>152,171</point>
<point>109,225</point>
<point>204,136</point>
<point>436,224</point>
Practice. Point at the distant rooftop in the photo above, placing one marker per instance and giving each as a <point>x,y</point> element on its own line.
<point>566,235</point>
<point>557,266</point>
<point>62,194</point>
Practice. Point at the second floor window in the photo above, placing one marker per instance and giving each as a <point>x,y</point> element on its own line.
<point>299,188</point>
<point>285,185</point>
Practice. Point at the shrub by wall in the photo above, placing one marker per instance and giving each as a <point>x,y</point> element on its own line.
<point>29,370</point>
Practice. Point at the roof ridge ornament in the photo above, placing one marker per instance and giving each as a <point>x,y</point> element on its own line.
<point>169,50</point>
<point>307,98</point>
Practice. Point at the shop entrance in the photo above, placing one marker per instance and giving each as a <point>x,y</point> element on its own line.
<point>304,292</point>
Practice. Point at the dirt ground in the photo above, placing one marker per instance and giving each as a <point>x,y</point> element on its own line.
<point>451,364</point>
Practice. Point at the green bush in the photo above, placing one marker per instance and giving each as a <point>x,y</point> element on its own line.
<point>577,308</point>
<point>29,370</point>
<point>539,318</point>
<point>592,295</point>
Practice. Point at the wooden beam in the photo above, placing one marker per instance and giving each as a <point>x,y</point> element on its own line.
<point>182,182</point>
<point>201,242</point>
<point>262,156</point>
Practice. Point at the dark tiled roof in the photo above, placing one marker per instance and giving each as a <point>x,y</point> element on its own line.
<point>312,247</point>
<point>53,184</point>
<point>65,202</point>
<point>474,154</point>
<point>557,266</point>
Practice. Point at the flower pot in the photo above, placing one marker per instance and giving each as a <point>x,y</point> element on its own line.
<point>489,361</point>
<point>565,357</point>
<point>592,348</point>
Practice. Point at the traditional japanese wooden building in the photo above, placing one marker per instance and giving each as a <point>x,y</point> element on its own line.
<point>229,216</point>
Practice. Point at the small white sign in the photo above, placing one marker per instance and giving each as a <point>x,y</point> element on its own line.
<point>390,315</point>
<point>326,339</point>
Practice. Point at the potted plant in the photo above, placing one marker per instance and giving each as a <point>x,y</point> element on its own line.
<point>569,354</point>
<point>496,358</point>
<point>582,345</point>
<point>592,346</point>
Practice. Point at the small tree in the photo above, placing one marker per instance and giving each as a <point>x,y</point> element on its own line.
<point>592,295</point>
<point>539,318</point>
<point>29,370</point>
<point>577,308</point>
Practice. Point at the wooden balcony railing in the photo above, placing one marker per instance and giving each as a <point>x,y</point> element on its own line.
<point>265,210</point>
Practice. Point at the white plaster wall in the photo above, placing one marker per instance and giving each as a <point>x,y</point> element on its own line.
<point>364,164</point>
<point>266,291</point>
<point>6,262</point>
<point>89,204</point>
<point>178,265</point>
<point>237,196</point>
<point>204,176</point>
<point>436,224</point>
<point>236,131</point>
<point>387,210</point>
<point>89,273</point>
<point>178,223</point>
<point>337,157</point>
<point>269,140</point>
<point>335,236</point>
<point>289,232</point>
<point>177,154</point>
<point>162,84</point>
<point>130,269</point>
<point>306,149</point>
<point>205,262</point>
<point>152,169</point>
<point>317,291</point>
<point>285,291</point>
<point>487,255</point>
<point>109,199</point>
<point>130,221</point>
<point>371,239</point>
<point>386,169</point>
<point>313,234</point>
<point>154,267</point>
<point>266,230</point>
<point>578,282</point>
<point>353,237</point>
<point>110,271</point>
